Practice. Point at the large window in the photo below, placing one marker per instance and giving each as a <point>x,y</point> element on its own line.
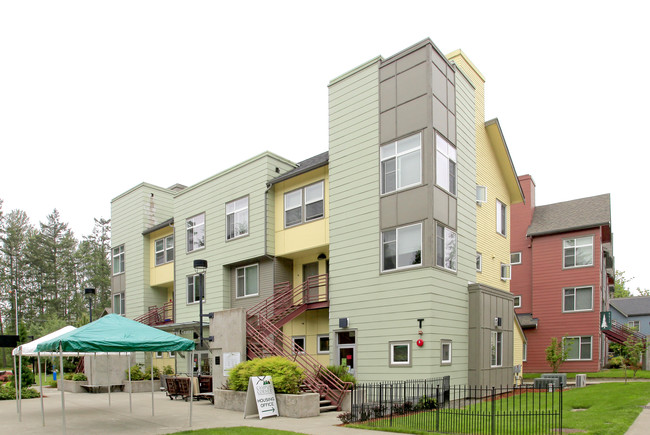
<point>501,218</point>
<point>164,250</point>
<point>247,281</point>
<point>118,260</point>
<point>194,283</point>
<point>118,304</point>
<point>579,347</point>
<point>445,164</point>
<point>304,205</point>
<point>578,252</point>
<point>496,349</point>
<point>400,353</point>
<point>401,164</point>
<point>446,247</point>
<point>578,299</point>
<point>196,232</point>
<point>402,247</point>
<point>237,218</point>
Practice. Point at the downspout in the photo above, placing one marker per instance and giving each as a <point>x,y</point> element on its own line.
<point>173,277</point>
<point>266,228</point>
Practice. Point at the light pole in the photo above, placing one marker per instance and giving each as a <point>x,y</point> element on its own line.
<point>90,292</point>
<point>200,266</point>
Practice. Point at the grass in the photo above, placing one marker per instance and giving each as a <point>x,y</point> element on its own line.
<point>609,373</point>
<point>604,409</point>
<point>239,430</point>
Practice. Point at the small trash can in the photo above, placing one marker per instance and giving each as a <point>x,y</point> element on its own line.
<point>54,375</point>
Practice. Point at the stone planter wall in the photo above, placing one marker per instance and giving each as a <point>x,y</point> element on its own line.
<point>289,405</point>
<point>142,386</point>
<point>71,386</point>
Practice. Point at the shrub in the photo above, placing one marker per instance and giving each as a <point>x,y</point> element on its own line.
<point>342,373</point>
<point>156,373</point>
<point>616,362</point>
<point>286,375</point>
<point>79,377</point>
<point>427,403</point>
<point>68,376</point>
<point>345,418</point>
<point>8,392</point>
<point>27,378</point>
<point>137,374</point>
<point>51,383</point>
<point>168,370</point>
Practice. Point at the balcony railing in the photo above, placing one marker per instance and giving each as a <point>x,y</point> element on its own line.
<point>158,315</point>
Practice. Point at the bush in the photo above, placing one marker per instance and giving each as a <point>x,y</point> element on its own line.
<point>168,370</point>
<point>79,377</point>
<point>8,392</point>
<point>67,376</point>
<point>286,375</point>
<point>51,383</point>
<point>27,378</point>
<point>616,362</point>
<point>427,403</point>
<point>345,418</point>
<point>137,374</point>
<point>342,373</point>
<point>156,373</point>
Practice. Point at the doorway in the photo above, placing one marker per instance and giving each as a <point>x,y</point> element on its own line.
<point>201,364</point>
<point>346,350</point>
<point>310,292</point>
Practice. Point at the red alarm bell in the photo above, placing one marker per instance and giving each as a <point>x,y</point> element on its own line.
<point>420,343</point>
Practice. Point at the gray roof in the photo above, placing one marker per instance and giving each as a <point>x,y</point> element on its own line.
<point>526,321</point>
<point>571,215</point>
<point>635,306</point>
<point>161,225</point>
<point>304,166</point>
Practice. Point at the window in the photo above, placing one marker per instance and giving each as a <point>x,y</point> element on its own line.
<point>634,324</point>
<point>159,354</point>
<point>164,250</point>
<point>479,262</point>
<point>402,247</point>
<point>505,272</point>
<point>578,299</point>
<point>578,252</point>
<point>118,304</point>
<point>118,260</point>
<point>400,353</point>
<point>172,354</point>
<point>524,351</point>
<point>194,283</point>
<point>501,218</point>
<point>311,208</point>
<point>247,281</point>
<point>401,165</point>
<point>237,218</point>
<point>196,232</point>
<point>496,349</point>
<point>446,247</point>
<point>579,347</point>
<point>445,165</point>
<point>517,302</point>
<point>481,194</point>
<point>323,344</point>
<point>298,345</point>
<point>515,258</point>
<point>445,352</point>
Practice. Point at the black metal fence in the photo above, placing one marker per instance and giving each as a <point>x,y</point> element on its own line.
<point>434,405</point>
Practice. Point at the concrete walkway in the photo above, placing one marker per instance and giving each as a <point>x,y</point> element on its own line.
<point>641,425</point>
<point>90,414</point>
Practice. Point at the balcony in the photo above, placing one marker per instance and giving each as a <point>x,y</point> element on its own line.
<point>158,315</point>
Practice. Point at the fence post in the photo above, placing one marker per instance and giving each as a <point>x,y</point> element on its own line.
<point>494,405</point>
<point>438,408</point>
<point>391,405</point>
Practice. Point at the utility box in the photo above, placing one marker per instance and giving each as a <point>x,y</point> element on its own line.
<point>581,381</point>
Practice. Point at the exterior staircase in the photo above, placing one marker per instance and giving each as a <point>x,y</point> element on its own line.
<point>618,333</point>
<point>158,315</point>
<point>264,337</point>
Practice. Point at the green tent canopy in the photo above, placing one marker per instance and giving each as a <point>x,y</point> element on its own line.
<point>114,333</point>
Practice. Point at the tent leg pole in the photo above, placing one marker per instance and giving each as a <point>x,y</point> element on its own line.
<point>20,384</point>
<point>62,386</point>
<point>128,369</point>
<point>16,386</point>
<point>191,384</point>
<point>152,412</point>
<point>40,381</point>
<point>108,379</point>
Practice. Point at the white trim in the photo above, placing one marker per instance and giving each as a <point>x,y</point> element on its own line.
<point>293,343</point>
<point>237,281</point>
<point>396,156</point>
<point>502,212</point>
<point>234,213</point>
<point>496,339</point>
<point>576,266</point>
<point>481,194</point>
<point>479,260</point>
<point>397,230</point>
<point>443,343</point>
<point>512,262</point>
<point>319,351</point>
<point>575,299</point>
<point>508,275</point>
<point>187,229</point>
<point>515,303</point>
<point>391,356</point>
<point>444,236</point>
<point>579,338</point>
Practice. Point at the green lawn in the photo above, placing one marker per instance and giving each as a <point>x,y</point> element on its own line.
<point>603,409</point>
<point>239,430</point>
<point>610,373</point>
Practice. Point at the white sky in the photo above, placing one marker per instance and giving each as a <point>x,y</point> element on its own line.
<point>98,96</point>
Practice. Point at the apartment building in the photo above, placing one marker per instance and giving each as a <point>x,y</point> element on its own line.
<point>364,256</point>
<point>562,273</point>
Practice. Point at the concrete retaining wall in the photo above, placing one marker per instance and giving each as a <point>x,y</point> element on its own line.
<point>142,386</point>
<point>289,405</point>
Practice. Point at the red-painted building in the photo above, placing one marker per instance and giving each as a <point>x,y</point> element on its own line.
<point>562,271</point>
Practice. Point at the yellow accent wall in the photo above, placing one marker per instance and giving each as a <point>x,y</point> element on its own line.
<point>310,325</point>
<point>291,241</point>
<point>163,275</point>
<point>494,247</point>
<point>166,360</point>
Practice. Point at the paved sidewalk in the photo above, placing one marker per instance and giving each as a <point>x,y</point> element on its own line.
<point>90,414</point>
<point>641,425</point>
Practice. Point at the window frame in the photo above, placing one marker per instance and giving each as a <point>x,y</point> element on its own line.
<point>575,299</point>
<point>396,242</point>
<point>634,324</point>
<point>508,275</point>
<point>159,354</point>
<point>164,251</point>
<point>304,204</point>
<point>234,213</point>
<point>580,338</point>
<point>443,343</point>
<point>515,262</point>
<point>481,199</point>
<point>121,262</point>
<point>496,349</point>
<point>516,301</point>
<point>244,296</point>
<point>575,248</point>
<point>439,153</point>
<point>524,351</point>
<point>397,157</point>
<point>194,288</point>
<point>121,303</point>
<point>188,229</point>
<point>444,241</point>
<point>391,353</point>
<point>502,218</point>
<point>293,344</point>
<point>318,343</point>
<point>479,262</point>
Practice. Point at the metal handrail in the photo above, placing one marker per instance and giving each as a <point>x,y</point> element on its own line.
<point>156,315</point>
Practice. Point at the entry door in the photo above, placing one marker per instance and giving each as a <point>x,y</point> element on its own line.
<point>310,293</point>
<point>346,350</point>
<point>201,363</point>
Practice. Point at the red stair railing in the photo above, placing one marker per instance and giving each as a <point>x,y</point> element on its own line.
<point>157,315</point>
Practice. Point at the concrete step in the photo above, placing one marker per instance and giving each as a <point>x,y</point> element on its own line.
<point>328,408</point>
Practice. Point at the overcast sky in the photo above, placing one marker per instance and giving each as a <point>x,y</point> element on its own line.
<point>97,97</point>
